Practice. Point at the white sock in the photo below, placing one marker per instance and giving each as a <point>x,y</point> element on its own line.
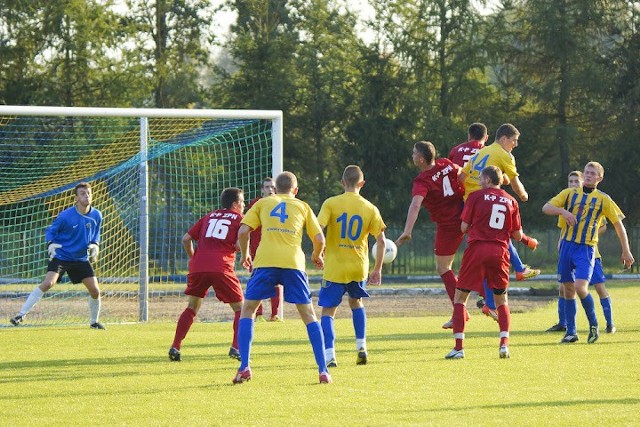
<point>94,310</point>
<point>329,353</point>
<point>361,343</point>
<point>32,300</point>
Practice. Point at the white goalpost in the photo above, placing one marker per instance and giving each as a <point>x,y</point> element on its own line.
<point>154,173</point>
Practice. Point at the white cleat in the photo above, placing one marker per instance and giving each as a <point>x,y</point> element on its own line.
<point>504,352</point>
<point>455,354</point>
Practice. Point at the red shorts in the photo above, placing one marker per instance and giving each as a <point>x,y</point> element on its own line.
<point>448,239</point>
<point>225,285</point>
<point>484,260</point>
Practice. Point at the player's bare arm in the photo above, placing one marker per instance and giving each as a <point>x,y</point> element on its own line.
<point>243,241</point>
<point>318,249</point>
<point>187,244</point>
<point>549,209</point>
<point>464,227</point>
<point>517,235</point>
<point>412,217</point>
<point>518,188</point>
<point>375,278</point>
<point>627,256</point>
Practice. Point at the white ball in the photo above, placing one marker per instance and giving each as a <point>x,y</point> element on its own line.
<point>390,251</point>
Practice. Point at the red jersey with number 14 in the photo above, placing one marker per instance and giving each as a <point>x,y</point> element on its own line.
<point>492,215</point>
<point>216,234</point>
<point>441,191</point>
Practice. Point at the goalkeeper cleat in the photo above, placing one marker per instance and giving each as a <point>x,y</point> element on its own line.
<point>332,363</point>
<point>455,354</point>
<point>242,376</point>
<point>568,339</point>
<point>325,378</point>
<point>528,273</point>
<point>234,354</point>
<point>448,324</point>
<point>174,354</point>
<point>490,313</point>
<point>594,334</point>
<point>16,320</point>
<point>557,328</point>
<point>504,352</point>
<point>362,357</point>
<point>97,325</point>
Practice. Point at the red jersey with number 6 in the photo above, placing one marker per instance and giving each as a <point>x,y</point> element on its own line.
<point>492,215</point>
<point>441,191</point>
<point>216,234</point>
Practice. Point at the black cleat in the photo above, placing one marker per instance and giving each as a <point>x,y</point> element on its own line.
<point>97,325</point>
<point>594,334</point>
<point>611,329</point>
<point>16,320</point>
<point>568,339</point>
<point>234,354</point>
<point>557,328</point>
<point>174,355</point>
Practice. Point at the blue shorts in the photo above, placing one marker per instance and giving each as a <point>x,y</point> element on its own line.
<point>294,282</point>
<point>331,293</point>
<point>598,274</point>
<point>576,261</point>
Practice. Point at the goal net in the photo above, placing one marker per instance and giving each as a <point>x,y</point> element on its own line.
<point>153,172</point>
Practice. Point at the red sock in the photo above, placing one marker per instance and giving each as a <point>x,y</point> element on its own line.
<point>236,319</point>
<point>275,301</point>
<point>459,319</point>
<point>450,282</point>
<point>504,320</point>
<point>184,324</point>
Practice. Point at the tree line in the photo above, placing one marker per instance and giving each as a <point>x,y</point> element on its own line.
<point>565,72</point>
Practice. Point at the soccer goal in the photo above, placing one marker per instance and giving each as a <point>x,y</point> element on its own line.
<point>154,172</point>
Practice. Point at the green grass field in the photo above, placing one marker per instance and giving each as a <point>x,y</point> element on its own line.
<point>76,376</point>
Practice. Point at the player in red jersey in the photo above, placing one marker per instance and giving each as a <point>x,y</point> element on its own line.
<point>461,153</point>
<point>268,189</point>
<point>491,217</point>
<point>212,265</point>
<point>437,189</point>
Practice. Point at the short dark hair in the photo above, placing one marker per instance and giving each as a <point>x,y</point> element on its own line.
<point>507,130</point>
<point>477,131</point>
<point>352,175</point>
<point>426,150</point>
<point>81,185</point>
<point>493,173</point>
<point>230,196</point>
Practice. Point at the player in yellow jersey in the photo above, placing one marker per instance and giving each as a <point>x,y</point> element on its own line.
<point>280,260</point>
<point>349,220</point>
<point>499,154</point>
<point>583,209</point>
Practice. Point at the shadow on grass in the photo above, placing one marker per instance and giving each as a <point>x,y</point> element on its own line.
<point>544,404</point>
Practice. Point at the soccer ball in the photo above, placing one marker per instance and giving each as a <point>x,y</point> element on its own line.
<point>390,251</point>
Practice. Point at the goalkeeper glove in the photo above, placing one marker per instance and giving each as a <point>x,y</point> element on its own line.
<point>93,250</point>
<point>530,242</point>
<point>52,250</point>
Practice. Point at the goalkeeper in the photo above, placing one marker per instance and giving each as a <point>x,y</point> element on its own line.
<point>73,239</point>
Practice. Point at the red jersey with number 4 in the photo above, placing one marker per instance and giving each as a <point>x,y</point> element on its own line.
<point>216,234</point>
<point>441,191</point>
<point>461,153</point>
<point>492,215</point>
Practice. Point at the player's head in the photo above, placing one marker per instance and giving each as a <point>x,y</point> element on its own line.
<point>423,151</point>
<point>268,187</point>
<point>83,194</point>
<point>477,132</point>
<point>286,182</point>
<point>491,176</point>
<point>574,179</point>
<point>232,198</point>
<point>593,174</point>
<point>507,135</point>
<point>352,177</point>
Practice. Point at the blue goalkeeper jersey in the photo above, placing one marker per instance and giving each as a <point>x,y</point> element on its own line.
<point>74,231</point>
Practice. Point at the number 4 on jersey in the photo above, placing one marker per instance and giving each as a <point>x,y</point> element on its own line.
<point>280,212</point>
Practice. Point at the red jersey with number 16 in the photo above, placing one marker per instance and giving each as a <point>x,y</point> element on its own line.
<point>492,215</point>
<point>216,234</point>
<point>441,191</point>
